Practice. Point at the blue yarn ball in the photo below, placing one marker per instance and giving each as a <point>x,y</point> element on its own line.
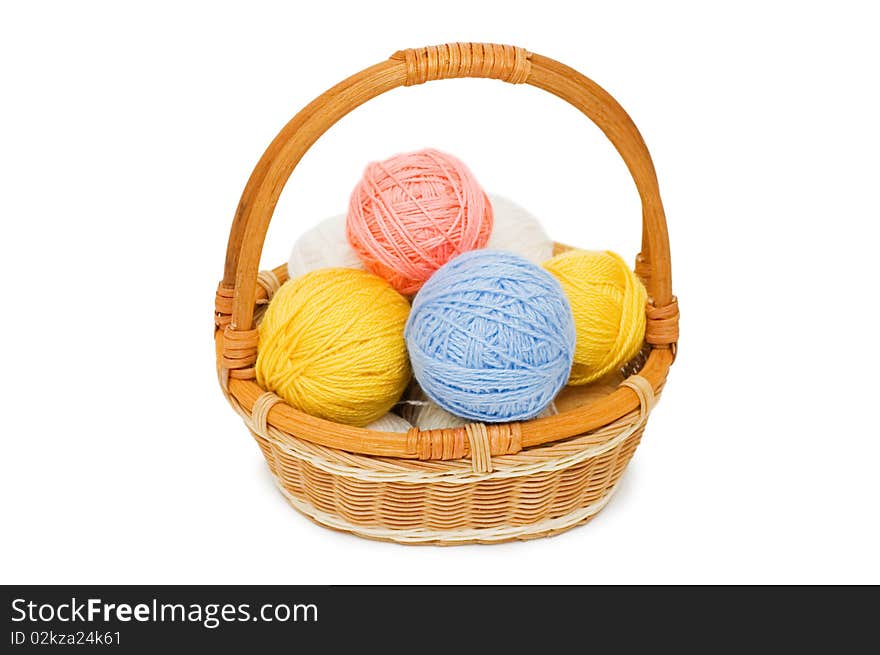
<point>491,337</point>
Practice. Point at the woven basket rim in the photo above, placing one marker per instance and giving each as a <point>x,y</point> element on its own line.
<point>549,456</point>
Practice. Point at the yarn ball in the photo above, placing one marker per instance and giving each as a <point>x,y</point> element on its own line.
<point>431,416</point>
<point>425,414</point>
<point>322,246</point>
<point>608,302</point>
<point>390,423</point>
<point>516,230</point>
<point>491,337</point>
<point>331,345</point>
<point>412,213</point>
<point>326,246</point>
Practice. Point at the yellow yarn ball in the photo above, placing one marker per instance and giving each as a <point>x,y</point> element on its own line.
<point>608,302</point>
<point>331,345</point>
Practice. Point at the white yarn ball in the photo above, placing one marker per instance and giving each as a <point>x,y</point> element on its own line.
<point>428,415</point>
<point>323,246</point>
<point>516,230</point>
<point>391,422</point>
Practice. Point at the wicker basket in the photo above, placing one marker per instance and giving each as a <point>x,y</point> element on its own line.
<point>479,483</point>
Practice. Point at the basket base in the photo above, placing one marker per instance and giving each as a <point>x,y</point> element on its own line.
<point>425,537</point>
<point>537,492</point>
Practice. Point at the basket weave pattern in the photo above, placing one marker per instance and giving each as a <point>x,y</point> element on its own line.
<point>533,493</point>
<point>479,483</point>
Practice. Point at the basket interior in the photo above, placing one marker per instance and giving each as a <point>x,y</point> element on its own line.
<point>570,397</point>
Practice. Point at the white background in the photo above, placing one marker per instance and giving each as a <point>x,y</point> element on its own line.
<point>128,134</point>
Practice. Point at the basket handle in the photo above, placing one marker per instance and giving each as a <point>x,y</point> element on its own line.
<point>237,292</point>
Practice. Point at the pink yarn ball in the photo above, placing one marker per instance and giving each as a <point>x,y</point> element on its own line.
<point>412,213</point>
